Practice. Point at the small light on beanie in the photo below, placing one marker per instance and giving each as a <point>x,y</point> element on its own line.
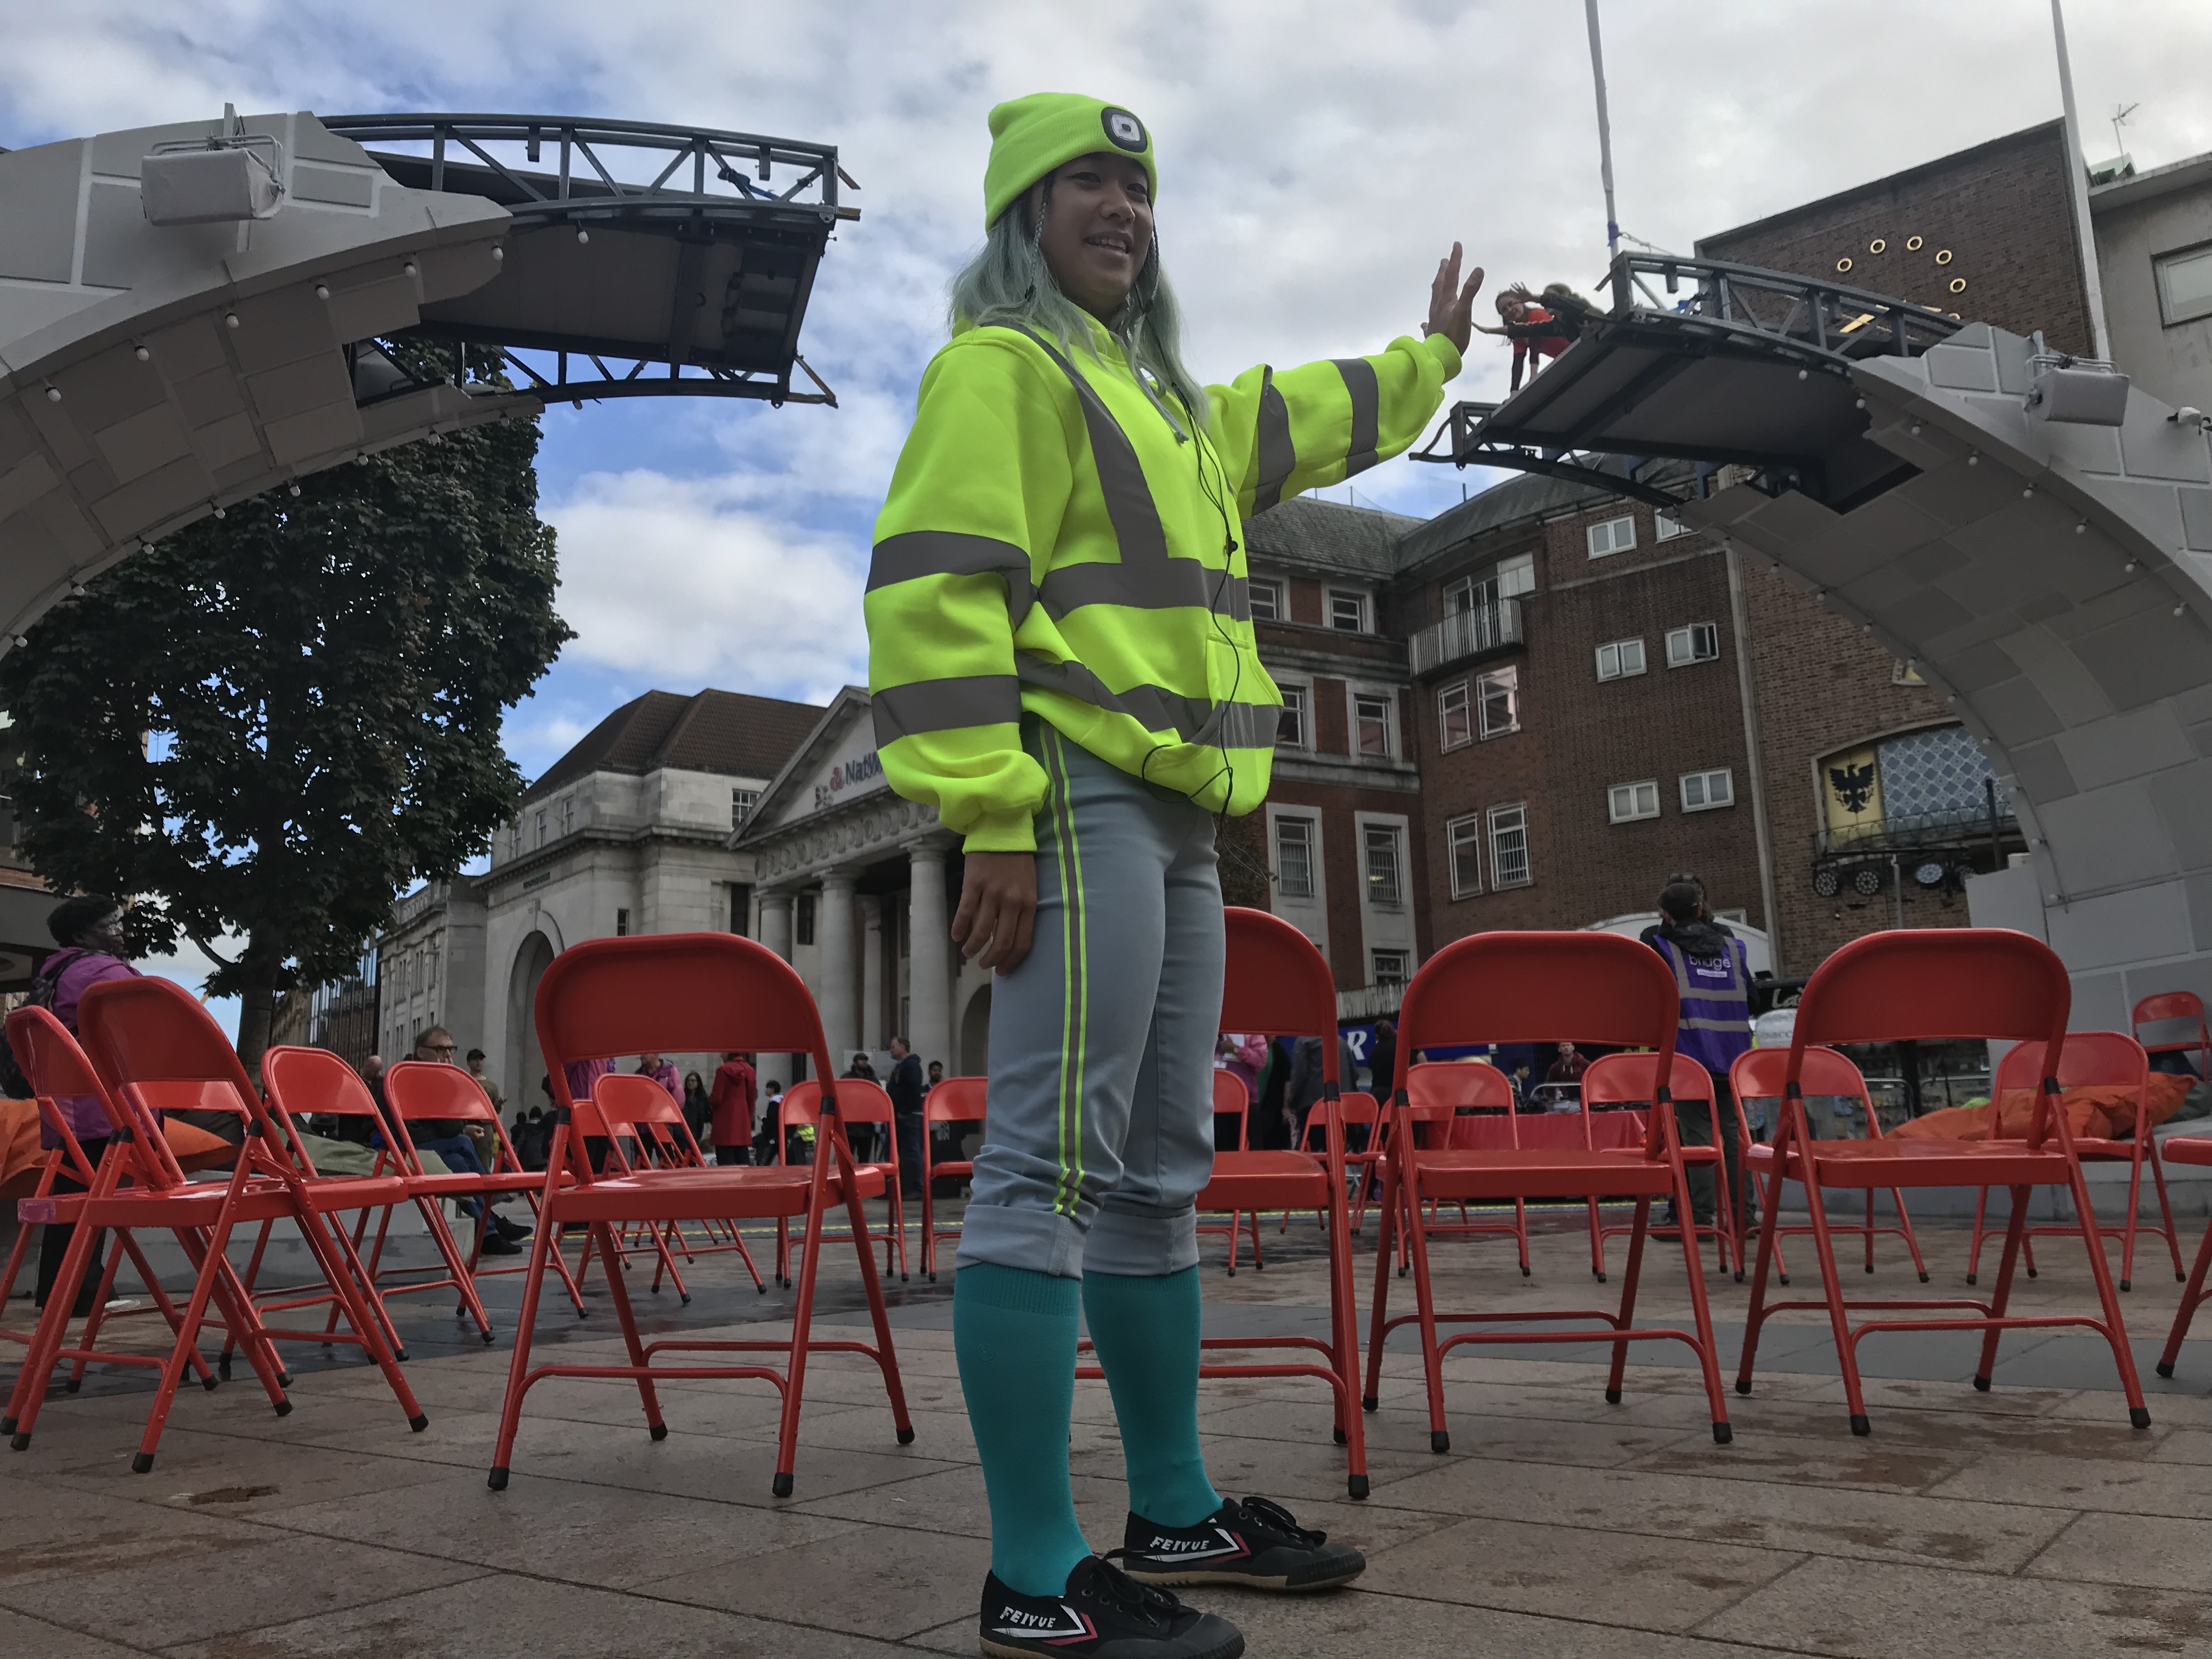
<point>1127,132</point>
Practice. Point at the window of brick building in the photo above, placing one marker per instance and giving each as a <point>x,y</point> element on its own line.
<point>1699,642</point>
<point>1383,885</point>
<point>2184,284</point>
<point>1266,599</point>
<point>1619,659</point>
<point>541,827</point>
<point>1497,698</point>
<point>1703,791</point>
<point>1371,723</point>
<point>1624,803</point>
<point>1389,966</point>
<point>1610,536</point>
<point>1466,835</point>
<point>1347,610</point>
<point>1294,856</point>
<point>742,801</point>
<point>1290,724</point>
<point>1508,846</point>
<point>1455,716</point>
<point>1508,578</point>
<point>1665,526</point>
<point>568,814</point>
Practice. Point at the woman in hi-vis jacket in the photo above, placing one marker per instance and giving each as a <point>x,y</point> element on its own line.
<point>1062,663</point>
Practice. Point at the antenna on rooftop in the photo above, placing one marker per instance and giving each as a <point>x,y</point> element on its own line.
<point>2120,113</point>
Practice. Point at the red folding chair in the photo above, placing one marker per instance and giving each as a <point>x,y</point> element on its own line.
<point>418,1091</point>
<point>2090,1059</point>
<point>1232,1100</point>
<point>1437,1092</point>
<point>1761,1074</point>
<point>954,1100</point>
<point>859,1101</point>
<point>690,994</point>
<point>302,1082</point>
<point>645,1116</point>
<point>1624,1081</point>
<point>1908,984</point>
<point>1277,984</point>
<point>58,1069</point>
<point>2171,1005</point>
<point>1531,987</point>
<point>157,1050</point>
<point>1355,1111</point>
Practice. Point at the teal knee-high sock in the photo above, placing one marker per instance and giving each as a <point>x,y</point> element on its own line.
<point>1014,1334</point>
<point>1146,1331</point>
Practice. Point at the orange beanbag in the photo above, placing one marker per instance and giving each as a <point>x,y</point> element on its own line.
<point>2101,1111</point>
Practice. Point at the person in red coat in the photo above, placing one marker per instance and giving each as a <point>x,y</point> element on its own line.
<point>732,1099</point>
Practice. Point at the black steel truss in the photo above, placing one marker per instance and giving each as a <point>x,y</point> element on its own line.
<point>1729,312</point>
<point>775,201</point>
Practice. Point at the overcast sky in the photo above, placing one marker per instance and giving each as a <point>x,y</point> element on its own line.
<point>1314,161</point>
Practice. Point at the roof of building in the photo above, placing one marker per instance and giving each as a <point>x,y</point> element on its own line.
<point>1329,535</point>
<point>2174,176</point>
<point>725,732</point>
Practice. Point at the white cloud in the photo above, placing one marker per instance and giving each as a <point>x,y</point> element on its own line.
<point>677,580</point>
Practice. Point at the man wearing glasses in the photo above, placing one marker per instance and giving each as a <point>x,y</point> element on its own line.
<point>450,1139</point>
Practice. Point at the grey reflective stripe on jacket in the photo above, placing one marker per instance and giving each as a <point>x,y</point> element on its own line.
<point>1366,412</point>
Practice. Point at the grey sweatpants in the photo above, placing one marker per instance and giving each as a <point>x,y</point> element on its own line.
<point>1099,1131</point>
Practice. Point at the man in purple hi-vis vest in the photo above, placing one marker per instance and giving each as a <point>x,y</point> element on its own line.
<point>1712,972</point>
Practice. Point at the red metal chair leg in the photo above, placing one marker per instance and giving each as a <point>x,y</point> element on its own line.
<point>2014,1246</point>
<point>2165,1209</point>
<point>2116,1330</point>
<point>1632,1275</point>
<point>2192,1294</point>
<point>1386,1210</point>
<point>1832,1292</point>
<point>545,1242</point>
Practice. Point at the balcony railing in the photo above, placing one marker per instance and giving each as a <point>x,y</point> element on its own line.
<point>1960,826</point>
<point>1465,634</point>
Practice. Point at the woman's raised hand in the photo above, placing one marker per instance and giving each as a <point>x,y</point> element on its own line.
<point>1452,306</point>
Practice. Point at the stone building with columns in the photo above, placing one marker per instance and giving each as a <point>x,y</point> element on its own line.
<point>627,833</point>
<point>855,887</point>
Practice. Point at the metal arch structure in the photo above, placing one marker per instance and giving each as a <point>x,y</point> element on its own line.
<point>151,375</point>
<point>2052,582</point>
<point>643,260</point>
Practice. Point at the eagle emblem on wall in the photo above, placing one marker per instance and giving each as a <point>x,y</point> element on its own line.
<point>1854,785</point>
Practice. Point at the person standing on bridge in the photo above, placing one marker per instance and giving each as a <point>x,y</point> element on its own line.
<point>1062,663</point>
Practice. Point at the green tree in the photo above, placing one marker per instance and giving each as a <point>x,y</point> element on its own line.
<point>274,722</point>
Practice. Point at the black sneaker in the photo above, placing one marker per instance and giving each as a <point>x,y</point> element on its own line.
<point>1104,1614</point>
<point>1254,1543</point>
<point>511,1231</point>
<point>494,1245</point>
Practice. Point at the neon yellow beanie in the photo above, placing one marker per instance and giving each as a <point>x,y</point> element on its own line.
<point>1031,135</point>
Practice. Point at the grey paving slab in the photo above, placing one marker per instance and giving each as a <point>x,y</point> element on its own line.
<point>2119,1549</point>
<point>235,1475</point>
<point>878,1581</point>
<point>607,1537</point>
<point>1609,1577</point>
<point>1891,1611</point>
<point>539,1617</point>
<point>2134,1487</point>
<point>248,1583</point>
<point>1986,1537</point>
<point>20,1633</point>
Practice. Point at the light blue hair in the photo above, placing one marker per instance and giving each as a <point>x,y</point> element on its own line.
<point>1009,284</point>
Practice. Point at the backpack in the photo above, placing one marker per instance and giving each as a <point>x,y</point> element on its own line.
<point>14,1085</point>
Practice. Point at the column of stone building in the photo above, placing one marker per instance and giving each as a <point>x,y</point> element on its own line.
<point>874,1032</point>
<point>775,904</point>
<point>929,969</point>
<point>835,995</point>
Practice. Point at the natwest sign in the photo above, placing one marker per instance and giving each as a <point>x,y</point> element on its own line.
<point>845,774</point>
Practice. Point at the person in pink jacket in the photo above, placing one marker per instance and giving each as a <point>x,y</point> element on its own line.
<point>90,930</point>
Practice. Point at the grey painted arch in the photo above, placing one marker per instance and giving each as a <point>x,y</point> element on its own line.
<point>2054,583</point>
<point>168,408</point>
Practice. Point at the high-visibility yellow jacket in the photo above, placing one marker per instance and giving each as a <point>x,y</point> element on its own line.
<point>1053,544</point>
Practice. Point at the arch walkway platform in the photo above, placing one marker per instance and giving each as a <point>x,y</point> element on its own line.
<point>2051,577</point>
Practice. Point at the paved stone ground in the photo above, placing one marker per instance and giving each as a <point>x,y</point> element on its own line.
<point>2030,1520</point>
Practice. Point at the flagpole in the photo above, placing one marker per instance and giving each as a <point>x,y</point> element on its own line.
<point>1605,128</point>
<point>2092,283</point>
